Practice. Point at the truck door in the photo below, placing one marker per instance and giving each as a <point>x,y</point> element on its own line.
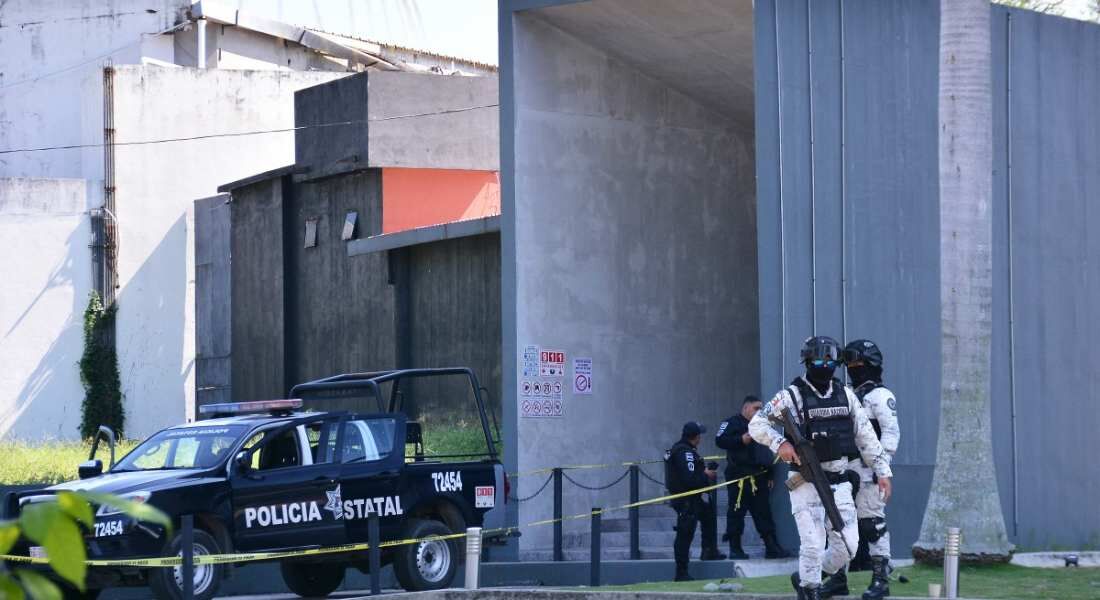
<point>373,456</point>
<point>289,494</point>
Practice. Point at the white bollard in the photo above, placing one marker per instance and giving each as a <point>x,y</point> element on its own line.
<point>951,563</point>
<point>473,557</point>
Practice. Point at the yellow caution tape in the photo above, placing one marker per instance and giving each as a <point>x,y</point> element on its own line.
<point>214,559</point>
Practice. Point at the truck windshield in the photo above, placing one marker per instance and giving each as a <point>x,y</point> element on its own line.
<point>182,448</point>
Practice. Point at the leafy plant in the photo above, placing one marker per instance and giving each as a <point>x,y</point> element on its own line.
<point>99,371</point>
<point>56,527</point>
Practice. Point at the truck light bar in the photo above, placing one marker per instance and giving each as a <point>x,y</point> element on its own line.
<point>240,408</point>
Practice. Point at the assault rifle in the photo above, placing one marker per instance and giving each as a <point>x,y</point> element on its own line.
<point>810,469</point>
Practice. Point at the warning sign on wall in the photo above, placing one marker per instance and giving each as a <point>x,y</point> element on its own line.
<point>530,361</point>
<point>540,397</point>
<point>582,376</point>
<point>551,363</point>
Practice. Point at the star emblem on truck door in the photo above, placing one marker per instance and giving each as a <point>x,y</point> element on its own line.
<point>334,504</point>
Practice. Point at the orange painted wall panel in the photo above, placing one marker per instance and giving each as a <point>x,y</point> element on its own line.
<point>414,198</point>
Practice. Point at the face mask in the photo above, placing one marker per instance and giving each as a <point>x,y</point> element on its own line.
<point>820,373</point>
<point>859,374</point>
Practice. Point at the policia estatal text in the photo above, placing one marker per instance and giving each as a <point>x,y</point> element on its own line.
<point>686,471</point>
<point>832,418</point>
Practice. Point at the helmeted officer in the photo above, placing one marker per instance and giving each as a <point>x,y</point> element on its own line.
<point>831,416</point>
<point>753,465</point>
<point>864,361</point>
<point>686,471</point>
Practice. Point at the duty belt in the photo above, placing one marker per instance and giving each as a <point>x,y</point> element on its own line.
<point>835,478</point>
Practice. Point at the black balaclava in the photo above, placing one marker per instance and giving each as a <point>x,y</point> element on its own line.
<point>863,373</point>
<point>821,376</point>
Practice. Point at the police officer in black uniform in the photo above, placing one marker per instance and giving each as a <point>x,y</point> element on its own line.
<point>686,471</point>
<point>746,458</point>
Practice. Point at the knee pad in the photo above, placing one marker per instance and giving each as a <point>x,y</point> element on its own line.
<point>872,528</point>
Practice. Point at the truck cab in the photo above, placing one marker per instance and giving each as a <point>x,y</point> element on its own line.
<point>269,476</point>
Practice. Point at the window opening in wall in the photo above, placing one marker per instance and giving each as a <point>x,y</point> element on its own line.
<point>349,226</point>
<point>311,233</point>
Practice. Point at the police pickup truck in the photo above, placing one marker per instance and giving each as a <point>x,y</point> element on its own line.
<point>265,476</point>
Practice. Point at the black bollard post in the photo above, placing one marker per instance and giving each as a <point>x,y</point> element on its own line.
<point>635,537</point>
<point>714,508</point>
<point>187,549</point>
<point>374,539</point>
<point>596,526</point>
<point>558,554</point>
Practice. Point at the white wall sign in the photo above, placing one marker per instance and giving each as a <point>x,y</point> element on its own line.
<point>540,397</point>
<point>531,361</point>
<point>582,376</point>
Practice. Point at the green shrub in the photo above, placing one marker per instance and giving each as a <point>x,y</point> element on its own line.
<point>99,371</point>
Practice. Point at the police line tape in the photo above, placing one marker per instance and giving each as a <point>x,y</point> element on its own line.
<point>215,559</point>
<point>598,466</point>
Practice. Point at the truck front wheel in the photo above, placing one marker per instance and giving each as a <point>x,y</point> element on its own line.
<point>167,582</point>
<point>312,580</point>
<point>427,564</point>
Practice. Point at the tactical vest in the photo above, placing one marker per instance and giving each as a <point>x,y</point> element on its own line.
<point>827,422</point>
<point>861,392</point>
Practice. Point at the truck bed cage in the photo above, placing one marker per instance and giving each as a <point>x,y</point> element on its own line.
<point>371,381</point>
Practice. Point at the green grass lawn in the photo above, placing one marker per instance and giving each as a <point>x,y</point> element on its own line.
<point>55,462</point>
<point>50,462</point>
<point>993,582</point>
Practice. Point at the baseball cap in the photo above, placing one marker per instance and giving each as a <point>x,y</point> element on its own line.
<point>693,428</point>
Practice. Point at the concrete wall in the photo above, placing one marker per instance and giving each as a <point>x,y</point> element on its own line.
<point>213,301</point>
<point>870,186</point>
<point>156,187</point>
<point>41,70</point>
<point>304,313</point>
<point>629,212</point>
<point>1046,273</point>
<point>400,124</point>
<point>849,226</point>
<point>45,291</point>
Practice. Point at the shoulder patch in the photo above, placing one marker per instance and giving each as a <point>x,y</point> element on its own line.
<point>892,403</point>
<point>722,427</point>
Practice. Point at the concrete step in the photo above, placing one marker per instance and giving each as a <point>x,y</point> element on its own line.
<point>621,539</point>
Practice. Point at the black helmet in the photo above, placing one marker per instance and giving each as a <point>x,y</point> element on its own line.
<point>864,351</point>
<point>821,347</point>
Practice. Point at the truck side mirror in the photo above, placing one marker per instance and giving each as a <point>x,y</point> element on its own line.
<point>242,463</point>
<point>90,468</point>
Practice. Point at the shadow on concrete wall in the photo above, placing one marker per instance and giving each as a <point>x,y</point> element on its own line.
<point>152,318</point>
<point>45,407</point>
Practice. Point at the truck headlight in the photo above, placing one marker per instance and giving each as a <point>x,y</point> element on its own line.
<point>106,510</point>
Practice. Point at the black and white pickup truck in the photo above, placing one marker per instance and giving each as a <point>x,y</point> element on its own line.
<point>265,476</point>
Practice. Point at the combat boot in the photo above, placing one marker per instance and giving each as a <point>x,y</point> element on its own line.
<point>880,579</point>
<point>683,575</point>
<point>737,552</point>
<point>805,593</point>
<point>772,549</point>
<point>711,554</point>
<point>835,585</point>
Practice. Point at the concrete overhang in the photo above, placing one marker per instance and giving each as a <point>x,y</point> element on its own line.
<point>257,178</point>
<point>702,48</point>
<point>424,235</point>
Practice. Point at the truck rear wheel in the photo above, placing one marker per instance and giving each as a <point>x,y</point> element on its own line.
<point>312,580</point>
<point>428,564</point>
<point>167,582</point>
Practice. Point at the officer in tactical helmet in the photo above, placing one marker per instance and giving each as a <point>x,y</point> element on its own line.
<point>864,361</point>
<point>831,417</point>
<point>686,471</point>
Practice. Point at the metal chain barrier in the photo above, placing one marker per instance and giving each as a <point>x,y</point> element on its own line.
<point>549,478</point>
<point>594,488</point>
<point>642,472</point>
